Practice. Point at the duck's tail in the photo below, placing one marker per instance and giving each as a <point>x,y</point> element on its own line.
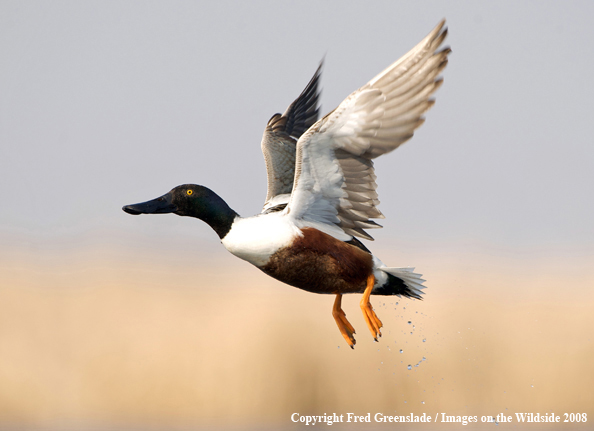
<point>401,282</point>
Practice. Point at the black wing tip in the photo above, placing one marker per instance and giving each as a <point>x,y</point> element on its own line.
<point>304,111</point>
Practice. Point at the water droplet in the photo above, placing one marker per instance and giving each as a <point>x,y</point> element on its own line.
<point>401,351</point>
<point>424,339</point>
<point>381,362</point>
<point>531,386</point>
<point>409,367</point>
<point>413,326</point>
<point>409,322</point>
<point>422,402</point>
<point>424,359</point>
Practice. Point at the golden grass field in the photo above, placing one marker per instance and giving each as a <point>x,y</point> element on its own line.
<point>117,338</point>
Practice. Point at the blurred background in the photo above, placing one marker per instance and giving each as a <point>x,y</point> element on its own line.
<point>109,321</point>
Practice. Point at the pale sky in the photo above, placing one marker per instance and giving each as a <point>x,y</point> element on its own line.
<point>110,103</point>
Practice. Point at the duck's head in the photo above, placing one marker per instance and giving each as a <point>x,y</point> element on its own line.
<point>180,201</point>
<point>190,200</point>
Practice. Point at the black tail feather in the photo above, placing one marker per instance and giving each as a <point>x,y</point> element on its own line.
<point>395,286</point>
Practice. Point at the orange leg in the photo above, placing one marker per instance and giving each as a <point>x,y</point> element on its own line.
<point>371,318</point>
<point>345,328</point>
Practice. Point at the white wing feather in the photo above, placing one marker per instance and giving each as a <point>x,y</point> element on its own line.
<point>334,182</point>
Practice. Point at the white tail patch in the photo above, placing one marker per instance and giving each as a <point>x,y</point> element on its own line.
<point>412,280</point>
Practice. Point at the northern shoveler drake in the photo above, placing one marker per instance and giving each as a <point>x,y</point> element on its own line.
<point>321,187</point>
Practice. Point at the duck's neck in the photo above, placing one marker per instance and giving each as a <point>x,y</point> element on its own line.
<point>213,210</point>
<point>221,219</point>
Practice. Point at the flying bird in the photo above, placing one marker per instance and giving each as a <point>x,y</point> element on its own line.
<point>322,187</point>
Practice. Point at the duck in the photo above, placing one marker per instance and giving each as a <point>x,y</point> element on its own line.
<point>321,187</point>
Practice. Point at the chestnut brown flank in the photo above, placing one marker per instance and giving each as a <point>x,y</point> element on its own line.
<point>320,263</point>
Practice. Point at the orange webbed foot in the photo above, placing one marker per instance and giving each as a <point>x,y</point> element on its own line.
<point>371,318</point>
<point>344,326</point>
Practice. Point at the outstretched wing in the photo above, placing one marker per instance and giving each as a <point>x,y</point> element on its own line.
<point>280,140</point>
<point>334,183</point>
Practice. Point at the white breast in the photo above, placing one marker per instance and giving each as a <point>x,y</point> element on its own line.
<point>255,239</point>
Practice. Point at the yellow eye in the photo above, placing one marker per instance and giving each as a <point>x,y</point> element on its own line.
<point>189,192</point>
